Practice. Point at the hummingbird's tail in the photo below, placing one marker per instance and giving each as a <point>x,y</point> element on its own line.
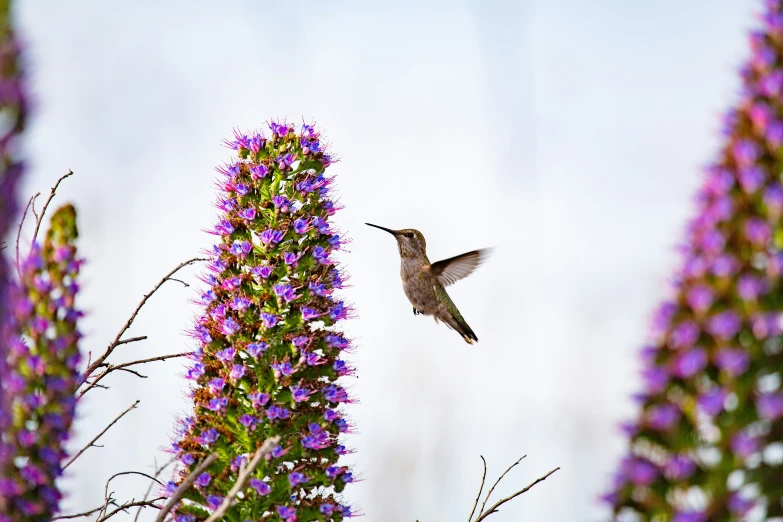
<point>458,323</point>
<point>449,314</point>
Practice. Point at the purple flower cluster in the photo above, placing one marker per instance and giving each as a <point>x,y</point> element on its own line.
<point>712,404</point>
<point>41,374</point>
<point>13,103</point>
<point>269,355</point>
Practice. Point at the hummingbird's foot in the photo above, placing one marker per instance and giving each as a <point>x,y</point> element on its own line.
<point>416,312</point>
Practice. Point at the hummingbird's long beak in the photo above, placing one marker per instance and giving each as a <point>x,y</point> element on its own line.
<point>390,231</point>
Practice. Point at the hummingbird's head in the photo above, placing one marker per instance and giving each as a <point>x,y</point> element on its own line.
<point>410,241</point>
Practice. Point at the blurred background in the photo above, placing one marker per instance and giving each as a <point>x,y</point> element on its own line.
<point>568,134</point>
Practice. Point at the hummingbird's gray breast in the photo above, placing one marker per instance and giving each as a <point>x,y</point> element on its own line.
<point>418,284</point>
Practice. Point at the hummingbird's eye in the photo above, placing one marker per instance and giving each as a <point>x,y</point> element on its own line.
<point>409,234</point>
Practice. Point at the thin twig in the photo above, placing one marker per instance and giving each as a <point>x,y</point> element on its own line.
<point>489,493</point>
<point>114,367</point>
<point>158,471</point>
<point>77,515</point>
<point>39,218</point>
<point>118,339</point>
<point>483,478</point>
<point>19,232</point>
<point>92,442</point>
<point>130,504</point>
<point>243,477</point>
<point>185,486</point>
<point>496,505</point>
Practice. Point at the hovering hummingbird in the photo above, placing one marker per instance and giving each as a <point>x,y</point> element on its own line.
<point>424,282</point>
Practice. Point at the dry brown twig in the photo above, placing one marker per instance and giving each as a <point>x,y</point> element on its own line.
<point>19,231</point>
<point>95,439</point>
<point>186,485</point>
<point>39,218</point>
<point>244,475</point>
<point>100,362</point>
<point>483,514</point>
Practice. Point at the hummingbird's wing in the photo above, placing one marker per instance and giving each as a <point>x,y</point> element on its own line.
<point>451,270</point>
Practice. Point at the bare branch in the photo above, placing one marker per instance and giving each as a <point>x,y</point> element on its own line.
<point>186,485</point>
<point>243,477</point>
<point>39,218</point>
<point>489,493</point>
<point>496,505</point>
<point>19,232</point>
<point>130,504</point>
<point>158,471</point>
<point>118,339</point>
<point>77,515</point>
<point>92,442</point>
<point>132,340</point>
<point>483,478</point>
<point>123,366</point>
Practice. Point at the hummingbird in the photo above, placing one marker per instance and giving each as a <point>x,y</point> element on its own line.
<point>424,282</point>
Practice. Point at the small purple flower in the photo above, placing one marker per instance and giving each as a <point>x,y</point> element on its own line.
<point>300,394</point>
<point>321,224</point>
<point>347,477</point>
<point>226,355</point>
<point>277,412</point>
<point>187,459</point>
<point>214,501</point>
<point>196,371</point>
<point>268,320</point>
<point>744,445</point>
<point>256,349</point>
<point>751,178</point>
<point>291,258</point>
<point>724,325</point>
<point>746,152</point>
<point>262,272</point>
<point>739,505</point>
<point>318,288</point>
<point>287,513</point>
<point>203,480</point>
<point>770,405</point>
<point>285,292</point>
<point>321,255</point>
<point>230,326</point>
<point>339,311</point>
<point>341,368</point>
<point>313,359</point>
<point>285,368</point>
<point>679,467</point>
<point>773,199</point>
<point>639,471</point>
<point>309,314</point>
<point>296,478</point>
<point>690,363</point>
<point>258,171</point>
<point>749,287</point>
<point>247,420</point>
<point>733,361</point>
<point>758,232</point>
<point>258,399</point>
<point>238,371</point>
<point>208,436</point>
<point>261,487</point>
<point>711,402</point>
<point>282,203</point>
<point>700,298</point>
<point>301,226</point>
<point>248,214</point>
<point>270,236</point>
<point>684,335</point>
<point>326,509</point>
<point>284,161</point>
<point>724,265</point>
<point>216,385</point>
<point>217,404</point>
<point>662,318</point>
<point>342,425</point>
<point>242,189</point>
<point>300,341</point>
<point>662,417</point>
<point>331,415</point>
<point>335,394</point>
<point>337,341</point>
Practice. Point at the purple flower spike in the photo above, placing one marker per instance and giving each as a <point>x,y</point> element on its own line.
<point>262,364</point>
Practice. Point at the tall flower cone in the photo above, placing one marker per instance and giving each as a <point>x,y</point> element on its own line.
<point>13,105</point>
<point>42,373</point>
<point>704,445</point>
<point>269,354</point>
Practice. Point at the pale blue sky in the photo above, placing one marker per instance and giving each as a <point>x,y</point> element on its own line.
<point>569,134</point>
